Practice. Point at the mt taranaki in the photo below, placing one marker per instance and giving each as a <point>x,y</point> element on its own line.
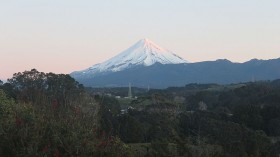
<point>147,64</point>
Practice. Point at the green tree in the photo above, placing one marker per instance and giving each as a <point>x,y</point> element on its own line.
<point>249,115</point>
<point>34,86</point>
<point>6,104</point>
<point>28,84</point>
<point>63,88</point>
<point>274,127</point>
<point>6,120</point>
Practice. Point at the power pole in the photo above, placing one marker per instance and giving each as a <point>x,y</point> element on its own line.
<point>129,91</point>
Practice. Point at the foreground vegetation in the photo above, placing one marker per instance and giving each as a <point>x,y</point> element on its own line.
<point>53,115</point>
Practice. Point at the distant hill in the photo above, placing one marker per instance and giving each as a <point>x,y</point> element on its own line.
<point>147,64</point>
<point>166,75</point>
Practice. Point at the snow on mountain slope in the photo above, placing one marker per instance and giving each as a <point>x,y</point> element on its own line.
<point>144,52</point>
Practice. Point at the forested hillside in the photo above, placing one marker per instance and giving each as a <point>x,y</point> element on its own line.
<point>46,114</point>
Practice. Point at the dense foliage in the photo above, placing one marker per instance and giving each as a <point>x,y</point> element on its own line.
<point>46,114</point>
<point>51,115</point>
<point>238,120</point>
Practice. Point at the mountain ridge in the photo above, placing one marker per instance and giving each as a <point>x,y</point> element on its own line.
<point>147,64</point>
<point>163,76</point>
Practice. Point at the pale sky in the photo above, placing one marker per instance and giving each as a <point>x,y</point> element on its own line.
<point>62,36</point>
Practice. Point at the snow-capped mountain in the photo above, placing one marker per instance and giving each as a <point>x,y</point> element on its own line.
<point>147,64</point>
<point>144,52</point>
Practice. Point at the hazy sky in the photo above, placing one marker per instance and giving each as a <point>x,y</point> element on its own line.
<point>67,35</point>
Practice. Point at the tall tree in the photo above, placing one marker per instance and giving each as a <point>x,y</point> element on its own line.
<point>28,84</point>
<point>34,86</point>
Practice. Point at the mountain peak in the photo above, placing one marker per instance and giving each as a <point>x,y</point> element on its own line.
<point>145,40</point>
<point>144,52</point>
<point>148,44</point>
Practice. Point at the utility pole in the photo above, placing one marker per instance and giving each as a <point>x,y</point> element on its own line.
<point>129,91</point>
